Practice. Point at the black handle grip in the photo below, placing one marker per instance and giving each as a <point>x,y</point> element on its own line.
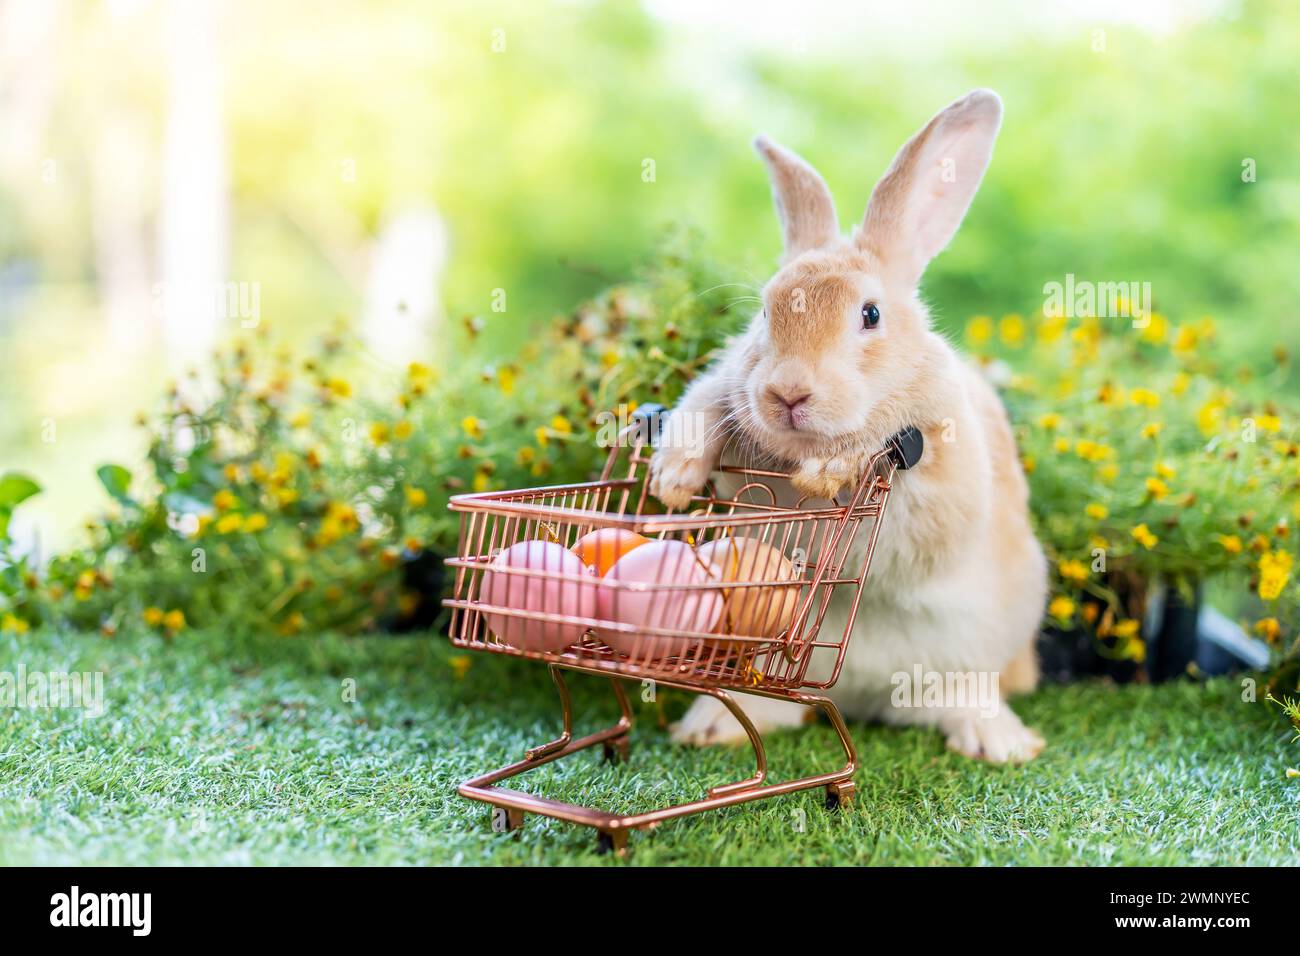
<point>649,419</point>
<point>906,448</point>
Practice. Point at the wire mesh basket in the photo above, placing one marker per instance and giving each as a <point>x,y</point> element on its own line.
<point>597,577</point>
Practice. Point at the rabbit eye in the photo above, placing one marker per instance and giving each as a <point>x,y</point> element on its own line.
<point>870,315</point>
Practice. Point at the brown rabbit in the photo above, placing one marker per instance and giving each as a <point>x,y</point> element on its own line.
<point>840,358</point>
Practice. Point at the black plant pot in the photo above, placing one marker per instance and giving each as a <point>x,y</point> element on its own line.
<point>1171,638</point>
<point>424,575</point>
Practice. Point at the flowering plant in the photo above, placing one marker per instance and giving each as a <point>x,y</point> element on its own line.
<point>293,494</point>
<point>1146,466</point>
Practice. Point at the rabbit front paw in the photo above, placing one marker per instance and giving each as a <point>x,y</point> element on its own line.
<point>825,477</point>
<point>676,476</point>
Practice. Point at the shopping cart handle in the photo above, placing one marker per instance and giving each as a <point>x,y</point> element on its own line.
<point>905,448</point>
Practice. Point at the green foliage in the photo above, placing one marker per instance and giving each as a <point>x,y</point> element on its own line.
<point>287,494</point>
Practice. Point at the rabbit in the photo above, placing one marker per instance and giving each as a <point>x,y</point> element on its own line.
<point>841,357</point>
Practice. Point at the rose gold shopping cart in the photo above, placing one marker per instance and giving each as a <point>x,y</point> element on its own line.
<point>674,626</point>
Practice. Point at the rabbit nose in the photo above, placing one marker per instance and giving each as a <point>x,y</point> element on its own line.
<point>791,398</point>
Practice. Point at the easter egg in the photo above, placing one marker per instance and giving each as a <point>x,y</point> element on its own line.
<point>660,565</point>
<point>753,611</point>
<point>546,595</point>
<point>604,546</point>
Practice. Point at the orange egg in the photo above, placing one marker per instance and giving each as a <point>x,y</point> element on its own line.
<point>604,546</point>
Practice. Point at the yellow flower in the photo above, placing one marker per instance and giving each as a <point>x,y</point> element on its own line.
<point>379,433</point>
<point>1028,463</point>
<point>285,496</point>
<point>1185,340</point>
<point>1108,473</point>
<point>506,379</point>
<point>1049,421</point>
<point>1144,397</point>
<point>1143,536</point>
<point>1126,628</point>
<point>561,424</point>
<point>1269,629</point>
<point>1269,423</point>
<point>1182,381</point>
<point>1157,488</point>
<point>223,500</point>
<point>153,616</point>
<point>13,624</point>
<point>1061,445</point>
<point>1274,571</point>
<point>293,623</point>
<point>402,430</point>
<point>1061,608</point>
<point>481,481</point>
<point>1133,649</point>
<point>1157,329</point>
<point>232,472</point>
<point>174,620</point>
<point>1165,470</point>
<point>1152,429</point>
<point>1052,327</point>
<point>415,497</point>
<point>300,419</point>
<point>1209,419</point>
<point>471,426</point>
<point>1231,543</point>
<point>419,372</point>
<point>339,388</point>
<point>979,330</point>
<point>1110,394</point>
<point>1076,572</point>
<point>1092,451</point>
<point>255,522</point>
<point>1012,330</point>
<point>228,523</point>
<point>542,436</point>
<point>1097,512</point>
<point>460,665</point>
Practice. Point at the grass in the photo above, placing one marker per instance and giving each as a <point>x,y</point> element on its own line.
<point>217,750</point>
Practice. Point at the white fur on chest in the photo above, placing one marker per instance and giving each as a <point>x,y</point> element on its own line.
<point>944,618</point>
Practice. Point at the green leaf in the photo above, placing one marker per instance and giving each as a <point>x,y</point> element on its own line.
<point>15,488</point>
<point>116,480</point>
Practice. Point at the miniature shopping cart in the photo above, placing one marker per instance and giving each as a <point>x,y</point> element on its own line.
<point>830,544</point>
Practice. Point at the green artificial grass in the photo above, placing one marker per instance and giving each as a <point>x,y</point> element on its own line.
<point>216,750</point>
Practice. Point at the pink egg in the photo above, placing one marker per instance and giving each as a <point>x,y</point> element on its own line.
<point>538,595</point>
<point>659,563</point>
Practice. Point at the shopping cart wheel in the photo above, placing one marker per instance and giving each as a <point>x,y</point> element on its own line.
<point>607,842</point>
<point>617,750</point>
<point>506,819</point>
<point>839,796</point>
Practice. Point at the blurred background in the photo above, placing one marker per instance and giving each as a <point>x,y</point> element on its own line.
<point>172,173</point>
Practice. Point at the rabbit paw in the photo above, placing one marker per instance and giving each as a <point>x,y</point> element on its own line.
<point>825,477</point>
<point>707,721</point>
<point>675,476</point>
<point>999,739</point>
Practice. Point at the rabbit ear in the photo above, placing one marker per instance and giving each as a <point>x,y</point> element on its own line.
<point>918,204</point>
<point>803,202</point>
